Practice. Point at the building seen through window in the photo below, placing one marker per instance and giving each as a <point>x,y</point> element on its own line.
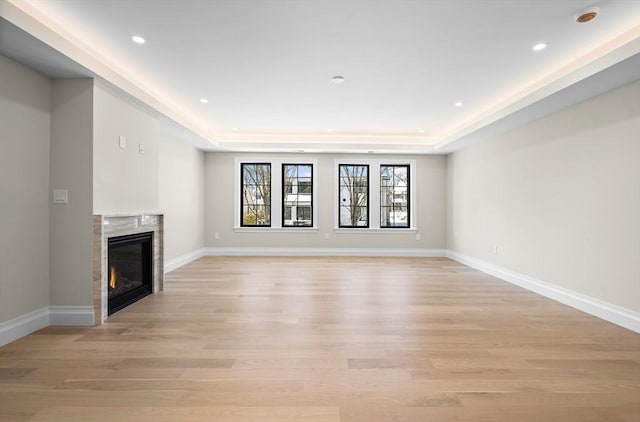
<point>394,196</point>
<point>297,198</point>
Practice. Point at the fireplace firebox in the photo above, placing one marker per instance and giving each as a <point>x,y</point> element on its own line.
<point>130,269</point>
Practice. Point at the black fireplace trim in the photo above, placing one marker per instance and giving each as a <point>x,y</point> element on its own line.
<point>122,301</point>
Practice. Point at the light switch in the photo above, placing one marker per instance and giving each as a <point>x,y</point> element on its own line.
<point>60,196</point>
<point>122,141</point>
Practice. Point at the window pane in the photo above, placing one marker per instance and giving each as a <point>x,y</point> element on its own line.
<point>305,171</point>
<point>256,194</point>
<point>385,213</point>
<point>249,216</point>
<point>354,195</point>
<point>394,196</point>
<point>361,217</point>
<point>304,186</point>
<point>304,214</point>
<point>297,182</point>
<point>345,216</point>
<point>400,173</point>
<point>264,215</point>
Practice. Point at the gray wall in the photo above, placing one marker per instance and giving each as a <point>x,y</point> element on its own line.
<point>181,169</point>
<point>71,168</point>
<point>168,177</point>
<point>431,212</point>
<point>124,180</point>
<point>559,197</point>
<point>64,135</point>
<point>24,188</point>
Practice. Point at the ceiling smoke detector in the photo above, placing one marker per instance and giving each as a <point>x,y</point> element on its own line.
<point>588,15</point>
<point>337,79</point>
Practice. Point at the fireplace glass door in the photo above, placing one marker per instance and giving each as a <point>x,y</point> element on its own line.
<point>129,269</point>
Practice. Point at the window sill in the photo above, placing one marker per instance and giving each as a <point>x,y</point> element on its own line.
<point>275,229</point>
<point>344,230</point>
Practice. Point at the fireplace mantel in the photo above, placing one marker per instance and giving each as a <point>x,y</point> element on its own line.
<point>112,225</point>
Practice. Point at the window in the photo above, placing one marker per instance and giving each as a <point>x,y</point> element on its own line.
<point>394,196</point>
<point>256,195</point>
<point>287,205</point>
<point>375,195</point>
<point>297,198</point>
<point>353,194</point>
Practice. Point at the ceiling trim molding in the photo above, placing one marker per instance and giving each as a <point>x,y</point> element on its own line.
<point>540,94</point>
<point>28,18</point>
<point>608,54</point>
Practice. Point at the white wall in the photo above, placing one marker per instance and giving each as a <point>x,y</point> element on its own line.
<point>181,197</point>
<point>25,97</point>
<point>124,180</point>
<point>431,212</point>
<point>560,197</point>
<point>71,169</point>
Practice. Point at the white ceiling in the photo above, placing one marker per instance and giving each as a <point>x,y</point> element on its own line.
<point>265,65</point>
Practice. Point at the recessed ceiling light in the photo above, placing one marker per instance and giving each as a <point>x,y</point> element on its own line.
<point>588,15</point>
<point>234,129</point>
<point>539,47</point>
<point>421,131</point>
<point>329,130</point>
<point>138,39</point>
<point>204,100</point>
<point>459,104</point>
<point>337,79</point>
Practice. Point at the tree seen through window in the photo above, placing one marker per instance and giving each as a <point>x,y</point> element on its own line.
<point>256,194</point>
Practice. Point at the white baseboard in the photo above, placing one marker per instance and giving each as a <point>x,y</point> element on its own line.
<point>71,315</point>
<point>51,315</point>
<point>325,252</point>
<point>23,325</point>
<point>609,312</point>
<point>175,263</point>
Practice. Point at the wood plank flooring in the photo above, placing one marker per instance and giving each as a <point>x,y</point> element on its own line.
<point>327,340</point>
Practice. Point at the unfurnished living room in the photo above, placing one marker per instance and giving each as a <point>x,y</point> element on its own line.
<point>320,210</point>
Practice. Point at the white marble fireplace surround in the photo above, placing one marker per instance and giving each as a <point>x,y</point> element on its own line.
<point>107,226</point>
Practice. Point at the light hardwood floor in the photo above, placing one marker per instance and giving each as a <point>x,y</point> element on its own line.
<point>328,339</point>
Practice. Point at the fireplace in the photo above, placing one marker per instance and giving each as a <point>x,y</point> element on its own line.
<point>129,269</point>
<point>108,228</point>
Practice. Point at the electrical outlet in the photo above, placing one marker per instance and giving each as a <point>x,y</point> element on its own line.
<point>141,148</point>
<point>417,236</point>
<point>326,235</point>
<point>122,141</point>
<point>216,236</point>
<point>495,249</point>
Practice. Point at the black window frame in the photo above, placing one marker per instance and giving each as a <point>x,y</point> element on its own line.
<point>242,186</point>
<point>284,195</point>
<point>408,168</point>
<point>368,191</point>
